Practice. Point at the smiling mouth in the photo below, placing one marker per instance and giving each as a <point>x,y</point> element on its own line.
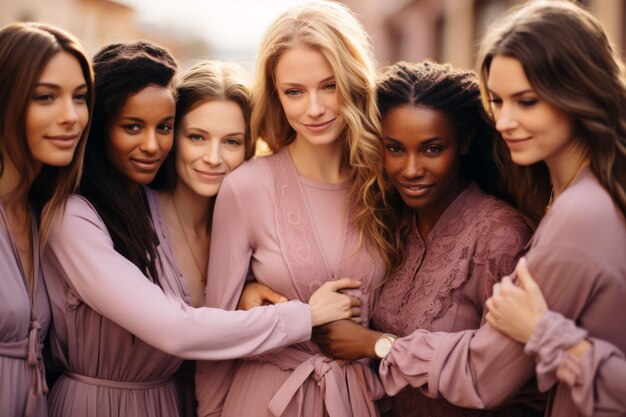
<point>316,127</point>
<point>146,164</point>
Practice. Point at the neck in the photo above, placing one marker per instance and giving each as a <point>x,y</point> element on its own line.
<point>427,218</point>
<point>194,209</point>
<point>565,167</point>
<point>323,163</point>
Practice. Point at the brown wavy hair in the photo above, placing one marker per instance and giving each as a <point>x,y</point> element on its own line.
<point>578,72</point>
<point>333,30</point>
<point>25,50</point>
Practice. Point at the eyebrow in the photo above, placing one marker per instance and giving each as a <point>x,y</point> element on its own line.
<point>56,86</point>
<point>517,94</point>
<point>424,142</point>
<point>290,84</point>
<point>138,119</point>
<point>208,133</point>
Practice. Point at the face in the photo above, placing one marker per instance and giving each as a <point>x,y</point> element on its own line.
<point>423,157</point>
<point>308,93</point>
<point>57,113</point>
<point>533,129</point>
<point>210,143</point>
<point>141,134</point>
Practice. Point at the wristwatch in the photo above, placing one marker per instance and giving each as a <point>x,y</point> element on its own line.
<point>382,347</point>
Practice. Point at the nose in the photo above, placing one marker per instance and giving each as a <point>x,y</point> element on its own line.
<point>69,112</point>
<point>316,108</point>
<point>149,143</point>
<point>413,166</point>
<point>213,154</point>
<point>505,118</point>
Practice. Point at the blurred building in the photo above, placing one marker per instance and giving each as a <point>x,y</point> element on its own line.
<point>450,30</point>
<point>100,22</point>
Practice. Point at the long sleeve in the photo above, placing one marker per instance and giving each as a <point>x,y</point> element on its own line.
<point>596,381</point>
<point>483,368</point>
<point>81,251</point>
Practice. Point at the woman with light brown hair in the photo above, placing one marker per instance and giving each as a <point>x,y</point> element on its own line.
<point>559,107</point>
<point>46,85</point>
<point>301,219</point>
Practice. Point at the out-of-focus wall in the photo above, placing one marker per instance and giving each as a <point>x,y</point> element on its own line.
<point>98,23</point>
<point>450,30</point>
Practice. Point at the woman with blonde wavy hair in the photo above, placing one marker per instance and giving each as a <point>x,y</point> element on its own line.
<point>46,90</point>
<point>298,213</point>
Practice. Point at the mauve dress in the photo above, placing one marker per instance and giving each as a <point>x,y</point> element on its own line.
<point>293,234</point>
<point>23,326</point>
<point>596,380</point>
<point>445,281</point>
<point>117,336</point>
<point>577,256</point>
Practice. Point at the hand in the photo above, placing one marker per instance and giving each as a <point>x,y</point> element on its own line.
<point>255,294</point>
<point>516,311</point>
<point>344,339</point>
<point>328,305</point>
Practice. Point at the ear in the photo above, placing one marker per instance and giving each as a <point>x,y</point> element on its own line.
<point>466,142</point>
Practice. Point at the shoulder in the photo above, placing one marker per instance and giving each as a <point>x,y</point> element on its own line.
<point>249,176</point>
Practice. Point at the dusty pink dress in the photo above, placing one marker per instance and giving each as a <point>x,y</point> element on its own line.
<point>446,279</point>
<point>117,336</point>
<point>293,234</point>
<point>23,326</point>
<point>596,381</point>
<point>577,258</point>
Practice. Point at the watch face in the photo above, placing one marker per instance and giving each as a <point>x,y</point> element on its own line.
<point>382,347</point>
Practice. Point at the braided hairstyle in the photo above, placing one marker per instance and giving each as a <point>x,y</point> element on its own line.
<point>121,70</point>
<point>456,94</point>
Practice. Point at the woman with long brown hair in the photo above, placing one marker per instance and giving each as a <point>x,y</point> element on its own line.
<point>46,86</point>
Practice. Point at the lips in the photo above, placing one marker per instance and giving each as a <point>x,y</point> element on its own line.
<point>146,164</point>
<point>415,190</point>
<point>514,143</point>
<point>63,141</point>
<point>318,127</point>
<point>210,175</point>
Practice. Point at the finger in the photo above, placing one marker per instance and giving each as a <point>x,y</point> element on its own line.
<point>491,320</point>
<point>342,283</point>
<point>525,279</point>
<point>356,320</point>
<point>355,311</point>
<point>489,304</point>
<point>496,289</point>
<point>355,302</point>
<point>272,296</point>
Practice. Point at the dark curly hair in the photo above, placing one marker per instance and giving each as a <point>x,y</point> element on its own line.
<point>456,94</point>
<point>121,70</point>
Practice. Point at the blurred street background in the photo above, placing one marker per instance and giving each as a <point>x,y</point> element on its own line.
<point>444,30</point>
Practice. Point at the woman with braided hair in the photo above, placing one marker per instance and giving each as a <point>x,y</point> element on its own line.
<point>452,229</point>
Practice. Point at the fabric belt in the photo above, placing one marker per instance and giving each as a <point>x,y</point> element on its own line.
<point>106,383</point>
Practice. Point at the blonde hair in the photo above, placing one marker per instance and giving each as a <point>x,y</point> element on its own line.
<point>25,50</point>
<point>579,73</point>
<point>333,30</point>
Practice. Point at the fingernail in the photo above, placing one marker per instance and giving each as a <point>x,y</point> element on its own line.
<point>522,261</point>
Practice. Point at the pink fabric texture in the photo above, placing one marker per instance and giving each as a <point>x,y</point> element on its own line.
<point>596,381</point>
<point>119,338</point>
<point>24,322</point>
<point>577,258</point>
<point>266,222</point>
<point>446,279</point>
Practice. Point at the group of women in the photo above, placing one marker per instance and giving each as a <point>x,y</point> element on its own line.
<point>391,214</point>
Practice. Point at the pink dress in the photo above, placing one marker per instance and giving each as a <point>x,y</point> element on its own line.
<point>293,234</point>
<point>577,258</point>
<point>24,323</point>
<point>118,337</point>
<point>446,280</point>
<point>596,381</point>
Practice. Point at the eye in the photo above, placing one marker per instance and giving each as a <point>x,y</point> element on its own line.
<point>330,86</point>
<point>527,102</point>
<point>293,92</point>
<point>164,128</point>
<point>232,141</point>
<point>194,137</point>
<point>495,102</point>
<point>132,128</point>
<point>44,98</point>
<point>433,150</point>
<point>80,97</point>
<point>394,149</point>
